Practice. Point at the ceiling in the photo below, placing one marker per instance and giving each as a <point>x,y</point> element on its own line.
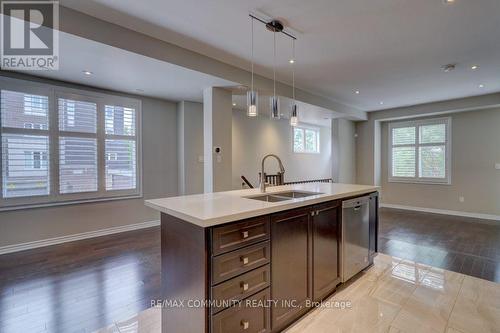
<point>389,50</point>
<point>120,70</point>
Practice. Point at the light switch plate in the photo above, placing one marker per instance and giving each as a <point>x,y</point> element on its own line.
<point>497,166</point>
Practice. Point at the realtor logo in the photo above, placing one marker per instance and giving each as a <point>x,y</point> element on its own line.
<point>30,35</point>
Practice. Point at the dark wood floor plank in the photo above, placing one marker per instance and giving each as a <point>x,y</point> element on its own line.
<point>459,244</point>
<point>80,286</point>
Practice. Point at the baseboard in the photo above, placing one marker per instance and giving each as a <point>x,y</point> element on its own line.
<point>75,237</point>
<point>445,212</point>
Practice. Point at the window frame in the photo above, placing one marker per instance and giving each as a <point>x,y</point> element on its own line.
<point>54,92</point>
<point>417,124</point>
<point>304,128</point>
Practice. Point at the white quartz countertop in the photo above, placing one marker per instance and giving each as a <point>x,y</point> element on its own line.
<point>210,209</point>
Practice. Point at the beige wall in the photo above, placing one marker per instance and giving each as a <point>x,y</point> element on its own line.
<point>475,147</point>
<point>190,151</point>
<point>256,137</point>
<point>346,152</point>
<point>159,141</point>
<point>475,130</point>
<point>368,145</point>
<point>217,131</point>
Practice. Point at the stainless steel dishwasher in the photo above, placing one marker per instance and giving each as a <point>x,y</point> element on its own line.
<point>355,236</point>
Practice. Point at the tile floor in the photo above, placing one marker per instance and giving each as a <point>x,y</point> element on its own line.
<point>394,295</point>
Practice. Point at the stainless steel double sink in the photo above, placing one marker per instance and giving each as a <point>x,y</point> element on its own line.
<point>283,196</point>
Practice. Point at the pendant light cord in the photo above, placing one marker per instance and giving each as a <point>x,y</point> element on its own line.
<point>293,69</point>
<point>274,64</point>
<point>252,54</point>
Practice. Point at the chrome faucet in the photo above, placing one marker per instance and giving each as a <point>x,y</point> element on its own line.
<point>262,184</point>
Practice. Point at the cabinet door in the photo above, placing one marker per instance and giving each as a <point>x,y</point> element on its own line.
<point>373,226</point>
<point>291,266</point>
<point>326,248</point>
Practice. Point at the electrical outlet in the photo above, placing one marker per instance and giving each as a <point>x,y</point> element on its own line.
<point>497,166</point>
<point>461,199</point>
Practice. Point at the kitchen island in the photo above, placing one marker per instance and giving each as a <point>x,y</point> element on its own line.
<point>243,261</point>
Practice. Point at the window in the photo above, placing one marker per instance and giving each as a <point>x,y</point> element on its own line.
<point>65,145</point>
<point>35,160</point>
<point>305,140</point>
<point>419,151</point>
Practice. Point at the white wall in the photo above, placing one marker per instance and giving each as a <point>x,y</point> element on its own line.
<point>253,138</point>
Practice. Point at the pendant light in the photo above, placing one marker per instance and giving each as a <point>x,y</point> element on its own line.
<point>274,101</point>
<point>252,95</point>
<point>294,116</point>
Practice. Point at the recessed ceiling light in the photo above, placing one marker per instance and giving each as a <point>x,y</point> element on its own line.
<point>481,86</point>
<point>291,61</point>
<point>87,73</point>
<point>381,103</point>
<point>474,67</point>
<point>234,104</point>
<point>449,1</point>
<point>357,92</point>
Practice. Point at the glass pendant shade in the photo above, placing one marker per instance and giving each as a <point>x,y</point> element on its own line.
<point>294,117</point>
<point>252,103</point>
<point>275,107</point>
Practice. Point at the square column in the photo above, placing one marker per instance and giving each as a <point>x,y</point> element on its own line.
<point>217,139</point>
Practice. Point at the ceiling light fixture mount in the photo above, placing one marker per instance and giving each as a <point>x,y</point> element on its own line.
<point>275,26</point>
<point>449,67</point>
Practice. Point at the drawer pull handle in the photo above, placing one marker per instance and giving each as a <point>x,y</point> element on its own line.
<point>244,260</point>
<point>244,286</point>
<point>245,324</point>
<point>244,234</point>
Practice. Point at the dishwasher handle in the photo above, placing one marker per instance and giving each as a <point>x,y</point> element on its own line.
<point>356,203</point>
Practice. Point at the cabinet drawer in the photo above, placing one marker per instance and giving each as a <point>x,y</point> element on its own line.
<point>234,263</point>
<point>245,318</point>
<point>234,236</point>
<point>241,286</point>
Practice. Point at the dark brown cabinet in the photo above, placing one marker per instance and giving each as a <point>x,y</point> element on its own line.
<point>326,248</point>
<point>373,226</point>
<point>282,262</point>
<point>291,272</point>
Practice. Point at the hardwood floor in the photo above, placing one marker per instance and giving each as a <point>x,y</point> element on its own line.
<point>89,284</point>
<point>454,243</point>
<point>79,286</point>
